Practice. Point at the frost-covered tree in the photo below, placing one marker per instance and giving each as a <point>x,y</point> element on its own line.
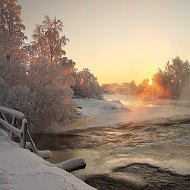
<point>86,85</point>
<point>52,73</point>
<point>46,97</point>
<point>11,31</point>
<point>49,75</point>
<point>12,54</point>
<point>48,41</point>
<point>35,87</point>
<point>173,79</point>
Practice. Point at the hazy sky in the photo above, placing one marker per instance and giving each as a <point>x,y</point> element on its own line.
<point>118,40</point>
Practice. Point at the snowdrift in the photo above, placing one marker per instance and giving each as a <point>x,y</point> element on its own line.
<point>21,169</point>
<point>91,107</point>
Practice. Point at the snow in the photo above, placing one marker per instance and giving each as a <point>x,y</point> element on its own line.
<point>3,133</point>
<point>92,107</point>
<point>21,169</point>
<point>11,128</point>
<point>104,113</point>
<point>122,111</point>
<point>94,113</point>
<point>68,164</point>
<point>14,113</point>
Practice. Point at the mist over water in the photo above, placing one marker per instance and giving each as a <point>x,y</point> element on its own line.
<point>135,101</point>
<point>137,110</point>
<point>184,94</point>
<point>140,109</point>
<point>154,135</point>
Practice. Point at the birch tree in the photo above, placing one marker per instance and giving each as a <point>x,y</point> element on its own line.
<point>48,41</point>
<point>11,31</point>
<point>12,53</point>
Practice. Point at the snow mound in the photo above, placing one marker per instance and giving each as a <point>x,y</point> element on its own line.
<point>91,107</point>
<point>22,169</point>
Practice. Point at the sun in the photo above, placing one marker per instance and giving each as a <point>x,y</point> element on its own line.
<point>150,82</point>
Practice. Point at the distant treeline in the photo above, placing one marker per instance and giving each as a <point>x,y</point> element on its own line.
<point>172,82</point>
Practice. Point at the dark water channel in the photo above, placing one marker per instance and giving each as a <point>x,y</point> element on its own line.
<point>111,153</point>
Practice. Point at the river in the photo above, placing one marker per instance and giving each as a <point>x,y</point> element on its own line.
<point>145,147</point>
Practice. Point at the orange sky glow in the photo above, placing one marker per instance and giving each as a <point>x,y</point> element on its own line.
<point>121,40</point>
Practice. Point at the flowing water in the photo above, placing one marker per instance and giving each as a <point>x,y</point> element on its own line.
<point>146,147</point>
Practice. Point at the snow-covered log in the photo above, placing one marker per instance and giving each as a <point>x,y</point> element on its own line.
<point>72,164</point>
<point>44,153</point>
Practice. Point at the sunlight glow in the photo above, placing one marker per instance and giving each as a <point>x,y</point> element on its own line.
<point>119,41</point>
<point>150,82</point>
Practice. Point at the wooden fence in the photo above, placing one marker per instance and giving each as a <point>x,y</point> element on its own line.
<point>14,124</point>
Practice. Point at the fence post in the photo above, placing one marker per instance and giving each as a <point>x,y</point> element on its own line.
<point>13,123</point>
<point>24,129</point>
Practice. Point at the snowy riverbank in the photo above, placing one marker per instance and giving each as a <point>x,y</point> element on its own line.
<point>120,109</point>
<point>20,170</point>
<point>92,107</point>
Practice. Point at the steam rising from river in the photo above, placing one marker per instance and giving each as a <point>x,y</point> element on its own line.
<point>94,113</point>
<point>140,109</point>
<point>158,142</point>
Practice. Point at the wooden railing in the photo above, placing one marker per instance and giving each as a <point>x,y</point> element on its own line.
<point>14,123</point>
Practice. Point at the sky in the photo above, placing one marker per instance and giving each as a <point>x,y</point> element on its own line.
<point>118,40</point>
